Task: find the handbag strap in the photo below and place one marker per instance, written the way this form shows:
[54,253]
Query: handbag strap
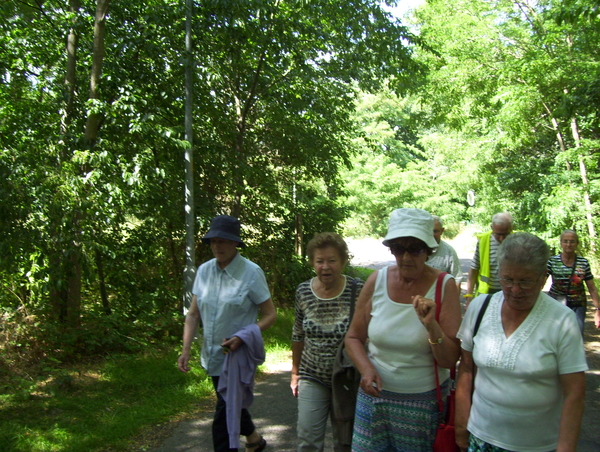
[480,315]
[438,309]
[570,279]
[475,329]
[352,298]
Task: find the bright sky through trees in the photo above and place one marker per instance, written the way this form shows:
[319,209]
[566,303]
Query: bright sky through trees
[403,7]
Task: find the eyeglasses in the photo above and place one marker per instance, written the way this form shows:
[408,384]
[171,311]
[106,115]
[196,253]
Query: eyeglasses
[523,284]
[399,250]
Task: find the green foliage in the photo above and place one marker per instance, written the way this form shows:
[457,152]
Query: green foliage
[520,80]
[432,173]
[33,343]
[508,109]
[93,241]
[279,336]
[359,272]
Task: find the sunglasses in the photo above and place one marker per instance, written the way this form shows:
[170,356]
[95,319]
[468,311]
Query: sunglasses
[399,250]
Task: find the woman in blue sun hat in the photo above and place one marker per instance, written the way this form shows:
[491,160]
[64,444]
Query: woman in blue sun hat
[229,294]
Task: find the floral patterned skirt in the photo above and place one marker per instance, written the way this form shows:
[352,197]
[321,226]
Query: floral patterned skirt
[396,422]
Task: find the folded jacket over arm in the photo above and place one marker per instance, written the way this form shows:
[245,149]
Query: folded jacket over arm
[236,383]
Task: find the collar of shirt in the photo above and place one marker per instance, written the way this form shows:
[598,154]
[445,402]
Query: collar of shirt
[235,269]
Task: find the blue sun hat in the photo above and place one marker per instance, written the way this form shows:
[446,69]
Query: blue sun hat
[224,227]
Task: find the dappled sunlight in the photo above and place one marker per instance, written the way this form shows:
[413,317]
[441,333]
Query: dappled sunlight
[278,360]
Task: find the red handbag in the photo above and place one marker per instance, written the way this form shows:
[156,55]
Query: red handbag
[445,440]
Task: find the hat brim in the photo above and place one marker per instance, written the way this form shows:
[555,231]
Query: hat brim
[416,233]
[222,235]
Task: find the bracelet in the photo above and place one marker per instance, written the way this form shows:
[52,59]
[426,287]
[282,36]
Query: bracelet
[468,295]
[437,341]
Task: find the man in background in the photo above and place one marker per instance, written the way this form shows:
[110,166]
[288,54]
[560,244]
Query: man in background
[444,257]
[483,274]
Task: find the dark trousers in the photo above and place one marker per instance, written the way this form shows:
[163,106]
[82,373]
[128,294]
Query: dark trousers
[219,427]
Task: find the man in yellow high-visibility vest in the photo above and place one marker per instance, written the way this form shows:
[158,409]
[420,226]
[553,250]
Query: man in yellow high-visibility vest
[483,274]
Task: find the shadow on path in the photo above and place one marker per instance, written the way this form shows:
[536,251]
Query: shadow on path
[274,412]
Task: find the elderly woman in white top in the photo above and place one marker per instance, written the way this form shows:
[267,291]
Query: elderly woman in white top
[529,360]
[397,405]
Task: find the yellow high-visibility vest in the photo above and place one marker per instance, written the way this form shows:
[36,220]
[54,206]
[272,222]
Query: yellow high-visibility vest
[483,280]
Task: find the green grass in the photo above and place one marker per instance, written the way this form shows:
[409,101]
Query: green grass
[100,408]
[278,339]
[103,407]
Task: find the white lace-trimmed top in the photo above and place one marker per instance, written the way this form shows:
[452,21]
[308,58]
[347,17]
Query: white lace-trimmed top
[503,351]
[518,398]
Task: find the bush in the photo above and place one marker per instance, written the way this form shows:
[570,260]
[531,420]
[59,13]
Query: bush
[31,344]
[359,272]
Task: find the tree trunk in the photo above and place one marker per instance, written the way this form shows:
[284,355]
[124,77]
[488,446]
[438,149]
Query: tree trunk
[299,235]
[586,187]
[65,292]
[243,110]
[102,283]
[94,119]
[70,77]
[236,208]
[64,251]
[189,272]
[559,135]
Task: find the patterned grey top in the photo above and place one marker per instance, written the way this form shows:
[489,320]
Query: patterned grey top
[321,324]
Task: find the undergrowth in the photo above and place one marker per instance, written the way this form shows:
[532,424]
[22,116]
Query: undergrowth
[109,403]
[107,385]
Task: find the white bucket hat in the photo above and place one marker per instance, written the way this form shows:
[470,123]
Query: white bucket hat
[415,223]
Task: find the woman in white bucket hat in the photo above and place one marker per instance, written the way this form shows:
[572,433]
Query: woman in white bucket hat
[394,339]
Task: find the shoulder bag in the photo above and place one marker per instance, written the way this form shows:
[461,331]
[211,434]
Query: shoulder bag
[345,381]
[445,440]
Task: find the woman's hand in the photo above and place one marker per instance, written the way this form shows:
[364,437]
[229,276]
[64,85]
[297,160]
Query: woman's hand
[425,309]
[597,318]
[371,383]
[231,344]
[183,362]
[294,384]
[462,438]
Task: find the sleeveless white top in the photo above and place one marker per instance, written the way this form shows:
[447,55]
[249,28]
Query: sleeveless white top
[398,342]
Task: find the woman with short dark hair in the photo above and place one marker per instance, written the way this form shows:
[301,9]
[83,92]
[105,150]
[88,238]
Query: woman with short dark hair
[323,306]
